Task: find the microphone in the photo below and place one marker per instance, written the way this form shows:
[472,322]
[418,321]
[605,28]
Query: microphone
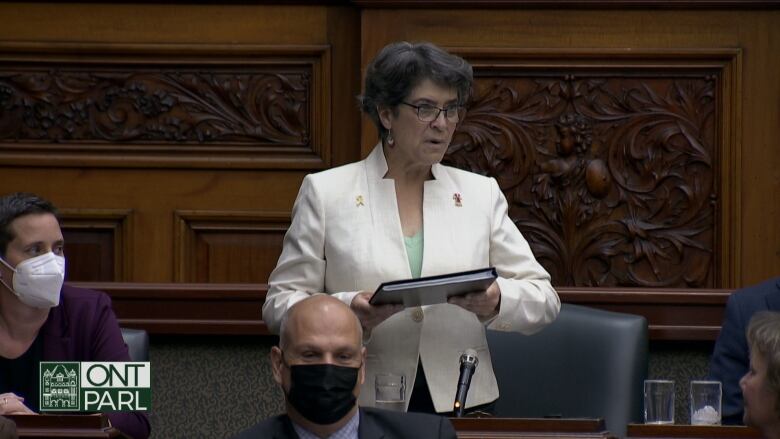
[468,364]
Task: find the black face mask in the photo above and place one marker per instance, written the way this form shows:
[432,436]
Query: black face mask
[322,393]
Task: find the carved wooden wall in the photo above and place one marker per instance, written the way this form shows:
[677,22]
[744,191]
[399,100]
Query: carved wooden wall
[610,168]
[174,137]
[636,147]
[165,106]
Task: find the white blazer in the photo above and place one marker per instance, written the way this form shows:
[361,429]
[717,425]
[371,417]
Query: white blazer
[346,237]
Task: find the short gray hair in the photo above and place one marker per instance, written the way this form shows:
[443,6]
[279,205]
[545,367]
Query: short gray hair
[401,66]
[763,335]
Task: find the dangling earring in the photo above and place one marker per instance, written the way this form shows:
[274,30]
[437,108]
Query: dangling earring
[389,139]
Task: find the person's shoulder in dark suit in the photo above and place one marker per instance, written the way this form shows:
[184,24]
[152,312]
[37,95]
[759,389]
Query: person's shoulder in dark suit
[762,296]
[730,357]
[374,423]
[276,427]
[388,424]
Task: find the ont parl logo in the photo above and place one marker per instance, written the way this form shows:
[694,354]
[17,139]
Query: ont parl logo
[95,386]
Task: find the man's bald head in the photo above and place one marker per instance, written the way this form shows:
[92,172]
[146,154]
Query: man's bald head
[312,313]
[320,352]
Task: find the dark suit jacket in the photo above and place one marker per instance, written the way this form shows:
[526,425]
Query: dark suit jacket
[374,424]
[83,327]
[731,359]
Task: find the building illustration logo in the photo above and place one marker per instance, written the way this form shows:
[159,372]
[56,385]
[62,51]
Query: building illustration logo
[60,386]
[95,386]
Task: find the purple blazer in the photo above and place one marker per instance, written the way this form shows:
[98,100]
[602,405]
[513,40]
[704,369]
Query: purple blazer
[83,327]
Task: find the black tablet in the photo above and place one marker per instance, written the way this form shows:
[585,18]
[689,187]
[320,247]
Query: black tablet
[433,289]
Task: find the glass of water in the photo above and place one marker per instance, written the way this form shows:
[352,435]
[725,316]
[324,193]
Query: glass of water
[390,391]
[705,402]
[659,402]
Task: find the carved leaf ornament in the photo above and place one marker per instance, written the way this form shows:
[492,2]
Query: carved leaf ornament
[155,107]
[610,179]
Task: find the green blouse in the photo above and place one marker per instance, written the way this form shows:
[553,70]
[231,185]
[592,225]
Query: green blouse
[414,251]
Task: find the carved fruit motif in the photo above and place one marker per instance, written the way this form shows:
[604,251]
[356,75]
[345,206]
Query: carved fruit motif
[597,178]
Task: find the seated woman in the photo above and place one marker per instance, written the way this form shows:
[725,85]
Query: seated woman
[43,320]
[730,357]
[761,385]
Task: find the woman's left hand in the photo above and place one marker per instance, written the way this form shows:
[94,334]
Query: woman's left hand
[11,404]
[484,304]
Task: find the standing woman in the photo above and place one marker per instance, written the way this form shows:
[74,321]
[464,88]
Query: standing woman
[400,214]
[761,384]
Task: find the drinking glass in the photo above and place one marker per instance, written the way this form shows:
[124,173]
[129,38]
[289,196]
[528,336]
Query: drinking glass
[705,402]
[659,402]
[390,391]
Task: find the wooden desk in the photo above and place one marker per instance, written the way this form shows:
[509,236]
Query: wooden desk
[505,428]
[70,426]
[691,431]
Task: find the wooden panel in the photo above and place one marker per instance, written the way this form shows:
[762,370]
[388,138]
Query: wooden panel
[745,234]
[52,426]
[90,255]
[672,314]
[164,106]
[154,195]
[188,308]
[610,160]
[228,246]
[747,240]
[556,4]
[97,243]
[692,431]
[505,428]
[221,155]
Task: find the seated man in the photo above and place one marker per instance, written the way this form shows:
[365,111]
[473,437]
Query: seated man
[43,320]
[320,365]
[730,357]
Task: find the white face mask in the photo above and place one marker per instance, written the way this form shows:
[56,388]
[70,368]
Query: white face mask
[37,281]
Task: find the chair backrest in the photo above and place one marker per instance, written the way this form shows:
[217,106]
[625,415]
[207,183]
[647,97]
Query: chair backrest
[137,341]
[589,363]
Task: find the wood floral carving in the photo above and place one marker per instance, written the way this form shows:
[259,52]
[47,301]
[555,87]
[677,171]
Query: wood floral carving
[141,107]
[611,179]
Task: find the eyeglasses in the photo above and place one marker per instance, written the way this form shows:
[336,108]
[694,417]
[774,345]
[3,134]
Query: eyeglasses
[429,113]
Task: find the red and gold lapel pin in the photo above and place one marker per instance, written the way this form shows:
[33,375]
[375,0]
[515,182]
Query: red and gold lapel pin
[456,196]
